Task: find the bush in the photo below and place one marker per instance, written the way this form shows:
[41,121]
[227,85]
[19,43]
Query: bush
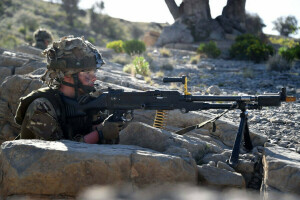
[259,52]
[117,46]
[287,53]
[165,52]
[141,66]
[210,49]
[9,42]
[278,63]
[250,47]
[134,47]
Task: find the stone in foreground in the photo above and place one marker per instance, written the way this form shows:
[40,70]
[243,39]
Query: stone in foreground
[36,167]
[281,170]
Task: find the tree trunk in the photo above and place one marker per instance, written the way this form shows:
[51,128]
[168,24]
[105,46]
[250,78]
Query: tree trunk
[235,10]
[174,9]
[197,8]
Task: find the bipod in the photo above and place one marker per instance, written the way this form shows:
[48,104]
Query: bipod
[243,130]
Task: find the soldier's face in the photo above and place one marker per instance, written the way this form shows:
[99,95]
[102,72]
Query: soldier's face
[87,77]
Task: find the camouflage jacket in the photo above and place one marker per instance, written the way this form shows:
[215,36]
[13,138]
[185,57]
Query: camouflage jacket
[41,121]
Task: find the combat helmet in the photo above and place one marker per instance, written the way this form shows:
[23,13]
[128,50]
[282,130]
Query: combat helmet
[69,56]
[42,38]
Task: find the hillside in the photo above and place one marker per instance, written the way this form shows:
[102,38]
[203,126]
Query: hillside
[20,18]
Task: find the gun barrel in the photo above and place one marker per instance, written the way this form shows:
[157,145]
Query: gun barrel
[221,98]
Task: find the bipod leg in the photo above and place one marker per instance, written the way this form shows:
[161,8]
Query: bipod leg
[247,139]
[234,158]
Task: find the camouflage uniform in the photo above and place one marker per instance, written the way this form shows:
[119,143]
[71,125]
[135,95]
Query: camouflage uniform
[41,121]
[42,38]
[42,116]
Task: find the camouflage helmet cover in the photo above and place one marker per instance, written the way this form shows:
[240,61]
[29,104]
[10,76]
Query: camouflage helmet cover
[70,55]
[42,35]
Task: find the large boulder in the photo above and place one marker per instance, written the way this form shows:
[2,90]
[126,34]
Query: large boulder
[36,167]
[281,170]
[176,33]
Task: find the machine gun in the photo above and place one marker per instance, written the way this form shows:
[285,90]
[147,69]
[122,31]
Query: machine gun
[121,104]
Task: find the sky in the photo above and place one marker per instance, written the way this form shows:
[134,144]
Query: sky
[157,10]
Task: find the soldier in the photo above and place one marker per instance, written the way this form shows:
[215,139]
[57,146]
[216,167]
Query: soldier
[45,113]
[42,38]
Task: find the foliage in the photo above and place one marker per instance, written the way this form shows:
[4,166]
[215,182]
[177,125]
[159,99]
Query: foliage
[278,63]
[22,30]
[141,66]
[3,5]
[91,40]
[134,47]
[259,52]
[287,42]
[138,66]
[107,26]
[165,52]
[129,68]
[210,49]
[250,47]
[117,46]
[286,25]
[9,42]
[290,53]
[71,9]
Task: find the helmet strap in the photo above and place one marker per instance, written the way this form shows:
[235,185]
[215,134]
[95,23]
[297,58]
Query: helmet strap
[77,84]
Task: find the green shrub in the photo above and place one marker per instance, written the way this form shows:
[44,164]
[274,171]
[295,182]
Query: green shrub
[141,66]
[22,30]
[117,46]
[134,47]
[297,51]
[287,53]
[210,49]
[250,47]
[91,40]
[278,63]
[259,52]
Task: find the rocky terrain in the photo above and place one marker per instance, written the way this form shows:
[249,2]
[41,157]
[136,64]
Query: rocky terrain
[272,166]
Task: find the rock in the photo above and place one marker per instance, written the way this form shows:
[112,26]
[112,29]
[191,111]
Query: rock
[225,130]
[214,157]
[4,72]
[176,33]
[223,165]
[143,135]
[215,90]
[220,177]
[150,38]
[29,50]
[12,60]
[245,166]
[66,167]
[281,170]
[30,67]
[16,86]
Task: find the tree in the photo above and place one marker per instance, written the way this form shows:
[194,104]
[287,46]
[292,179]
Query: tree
[286,25]
[195,14]
[71,9]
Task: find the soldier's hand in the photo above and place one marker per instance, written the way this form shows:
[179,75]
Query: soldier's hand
[110,130]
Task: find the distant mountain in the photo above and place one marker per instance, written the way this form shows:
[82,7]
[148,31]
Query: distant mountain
[20,18]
